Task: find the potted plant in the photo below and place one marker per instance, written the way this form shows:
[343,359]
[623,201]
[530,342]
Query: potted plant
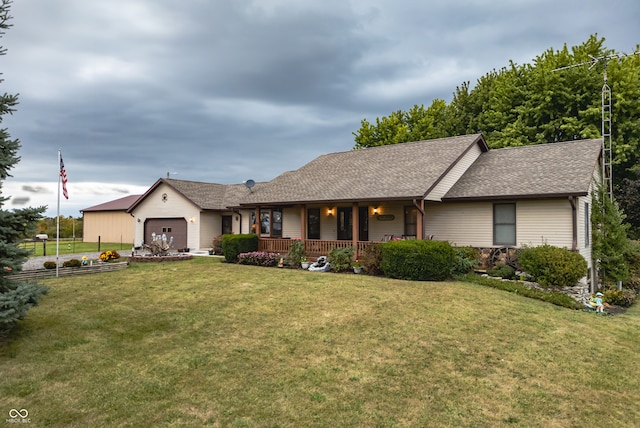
[357,266]
[304,262]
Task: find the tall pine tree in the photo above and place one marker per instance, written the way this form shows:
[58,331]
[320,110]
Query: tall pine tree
[16,297]
[609,235]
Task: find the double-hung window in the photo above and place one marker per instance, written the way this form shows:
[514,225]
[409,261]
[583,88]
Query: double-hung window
[504,224]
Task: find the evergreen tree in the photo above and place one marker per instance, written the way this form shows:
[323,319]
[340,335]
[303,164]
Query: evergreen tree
[609,236]
[16,297]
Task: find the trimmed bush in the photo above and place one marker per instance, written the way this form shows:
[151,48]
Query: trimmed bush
[502,271]
[466,260]
[216,245]
[619,297]
[371,259]
[552,266]
[234,245]
[340,259]
[72,263]
[259,258]
[49,265]
[417,260]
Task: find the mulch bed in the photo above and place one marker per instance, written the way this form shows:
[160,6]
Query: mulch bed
[158,259]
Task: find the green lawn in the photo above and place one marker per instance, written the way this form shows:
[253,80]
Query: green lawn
[201,342]
[67,246]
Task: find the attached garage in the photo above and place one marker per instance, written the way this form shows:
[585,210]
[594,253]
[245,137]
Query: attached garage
[170,227]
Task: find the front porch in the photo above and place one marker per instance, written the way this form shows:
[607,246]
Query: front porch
[312,247]
[488,256]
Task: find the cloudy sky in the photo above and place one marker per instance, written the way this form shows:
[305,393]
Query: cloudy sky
[228,90]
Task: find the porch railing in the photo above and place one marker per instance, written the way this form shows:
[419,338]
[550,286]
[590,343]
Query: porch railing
[312,247]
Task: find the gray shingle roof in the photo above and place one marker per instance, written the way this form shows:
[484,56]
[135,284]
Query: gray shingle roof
[210,196]
[398,171]
[206,196]
[554,169]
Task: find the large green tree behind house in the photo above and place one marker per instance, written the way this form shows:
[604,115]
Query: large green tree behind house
[16,297]
[533,104]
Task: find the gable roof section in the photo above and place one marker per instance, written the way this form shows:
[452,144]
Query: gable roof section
[206,196]
[543,170]
[121,204]
[398,171]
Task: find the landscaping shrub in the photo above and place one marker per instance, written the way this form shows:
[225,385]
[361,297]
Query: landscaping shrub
[295,254]
[554,297]
[107,256]
[259,258]
[49,265]
[233,245]
[71,263]
[633,260]
[417,260]
[466,260]
[502,271]
[552,266]
[340,259]
[371,259]
[216,245]
[619,297]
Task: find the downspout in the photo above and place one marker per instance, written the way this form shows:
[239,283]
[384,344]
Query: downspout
[574,221]
[420,207]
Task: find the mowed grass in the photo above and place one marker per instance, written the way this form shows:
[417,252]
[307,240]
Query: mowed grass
[203,343]
[37,248]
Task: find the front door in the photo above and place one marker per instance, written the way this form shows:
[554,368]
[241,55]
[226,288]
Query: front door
[345,223]
[363,224]
[227,224]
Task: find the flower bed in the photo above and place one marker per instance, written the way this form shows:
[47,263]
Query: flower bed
[159,259]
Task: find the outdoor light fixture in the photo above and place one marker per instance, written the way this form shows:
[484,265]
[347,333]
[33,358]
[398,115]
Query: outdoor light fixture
[192,219]
[330,211]
[375,211]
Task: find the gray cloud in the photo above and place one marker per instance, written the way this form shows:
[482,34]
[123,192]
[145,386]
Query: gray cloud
[234,89]
[35,189]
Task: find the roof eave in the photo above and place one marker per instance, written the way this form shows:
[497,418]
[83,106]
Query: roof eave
[513,197]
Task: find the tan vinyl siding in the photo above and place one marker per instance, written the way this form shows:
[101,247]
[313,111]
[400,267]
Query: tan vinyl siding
[108,226]
[461,224]
[246,222]
[454,175]
[544,222]
[328,224]
[583,218]
[378,229]
[471,223]
[291,226]
[176,206]
[210,227]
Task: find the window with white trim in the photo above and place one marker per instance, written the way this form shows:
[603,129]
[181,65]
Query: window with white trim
[504,224]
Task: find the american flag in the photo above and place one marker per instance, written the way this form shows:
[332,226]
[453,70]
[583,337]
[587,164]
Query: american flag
[63,174]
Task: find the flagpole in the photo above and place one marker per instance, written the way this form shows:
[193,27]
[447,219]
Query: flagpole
[58,215]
